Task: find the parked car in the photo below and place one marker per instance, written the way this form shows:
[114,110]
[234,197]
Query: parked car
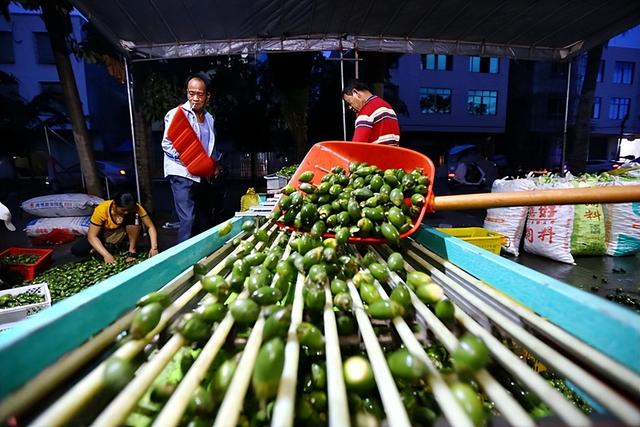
[115,175]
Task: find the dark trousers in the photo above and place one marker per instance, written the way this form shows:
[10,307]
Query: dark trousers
[194,204]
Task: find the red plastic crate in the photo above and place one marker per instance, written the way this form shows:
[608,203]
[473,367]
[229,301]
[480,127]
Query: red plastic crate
[28,271]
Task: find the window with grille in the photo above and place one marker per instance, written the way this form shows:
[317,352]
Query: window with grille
[432,61]
[623,72]
[595,110]
[479,64]
[435,100]
[482,102]
[619,108]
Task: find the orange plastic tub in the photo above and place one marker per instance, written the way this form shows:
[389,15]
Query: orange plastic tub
[325,155]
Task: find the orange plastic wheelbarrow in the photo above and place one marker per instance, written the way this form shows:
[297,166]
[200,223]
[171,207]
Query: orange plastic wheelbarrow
[325,155]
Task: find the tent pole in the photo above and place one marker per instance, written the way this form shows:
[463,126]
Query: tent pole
[46,137]
[566,120]
[355,51]
[133,132]
[344,120]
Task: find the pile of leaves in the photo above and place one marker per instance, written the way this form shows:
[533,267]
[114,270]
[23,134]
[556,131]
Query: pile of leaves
[69,279]
[288,171]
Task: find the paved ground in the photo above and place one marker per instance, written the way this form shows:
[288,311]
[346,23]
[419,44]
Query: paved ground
[163,213]
[607,276]
[615,278]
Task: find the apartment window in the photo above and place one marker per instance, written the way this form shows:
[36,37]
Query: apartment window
[44,52]
[432,61]
[556,106]
[479,64]
[600,77]
[595,110]
[623,72]
[619,108]
[6,48]
[435,100]
[482,102]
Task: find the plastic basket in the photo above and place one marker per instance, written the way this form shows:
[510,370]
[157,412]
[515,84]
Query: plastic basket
[27,271]
[11,315]
[325,155]
[478,236]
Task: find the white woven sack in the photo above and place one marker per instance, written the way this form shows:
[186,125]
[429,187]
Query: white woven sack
[622,225]
[60,205]
[549,228]
[78,225]
[509,221]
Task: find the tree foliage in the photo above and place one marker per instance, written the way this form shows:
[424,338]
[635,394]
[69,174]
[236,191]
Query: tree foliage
[21,119]
[291,74]
[435,103]
[243,102]
[578,147]
[55,14]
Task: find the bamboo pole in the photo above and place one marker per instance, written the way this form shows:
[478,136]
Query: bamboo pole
[564,196]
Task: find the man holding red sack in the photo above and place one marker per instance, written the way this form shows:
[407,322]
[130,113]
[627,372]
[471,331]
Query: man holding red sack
[190,159]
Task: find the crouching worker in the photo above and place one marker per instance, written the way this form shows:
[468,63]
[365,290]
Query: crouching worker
[111,221]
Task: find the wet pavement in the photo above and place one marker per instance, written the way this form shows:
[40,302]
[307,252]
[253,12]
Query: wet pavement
[614,278]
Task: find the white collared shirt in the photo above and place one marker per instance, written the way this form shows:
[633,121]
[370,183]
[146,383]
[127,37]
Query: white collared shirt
[172,163]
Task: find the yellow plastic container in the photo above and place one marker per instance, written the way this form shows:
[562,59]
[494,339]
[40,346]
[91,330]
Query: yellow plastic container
[249,199]
[478,236]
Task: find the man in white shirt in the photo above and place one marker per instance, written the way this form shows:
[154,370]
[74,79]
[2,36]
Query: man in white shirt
[190,159]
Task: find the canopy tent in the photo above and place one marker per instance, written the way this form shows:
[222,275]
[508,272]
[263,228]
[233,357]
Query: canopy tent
[518,29]
[523,29]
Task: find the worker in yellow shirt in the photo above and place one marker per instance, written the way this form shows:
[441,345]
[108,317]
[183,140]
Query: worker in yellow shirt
[110,222]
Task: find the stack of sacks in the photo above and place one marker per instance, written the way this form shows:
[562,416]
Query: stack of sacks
[588,236]
[509,221]
[562,232]
[69,213]
[549,228]
[622,222]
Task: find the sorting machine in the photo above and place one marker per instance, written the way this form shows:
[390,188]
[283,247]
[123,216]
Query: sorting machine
[51,366]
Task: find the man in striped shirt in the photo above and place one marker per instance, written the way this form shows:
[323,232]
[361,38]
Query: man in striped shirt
[376,121]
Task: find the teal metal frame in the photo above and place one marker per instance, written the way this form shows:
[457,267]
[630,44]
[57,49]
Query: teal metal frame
[602,324]
[43,338]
